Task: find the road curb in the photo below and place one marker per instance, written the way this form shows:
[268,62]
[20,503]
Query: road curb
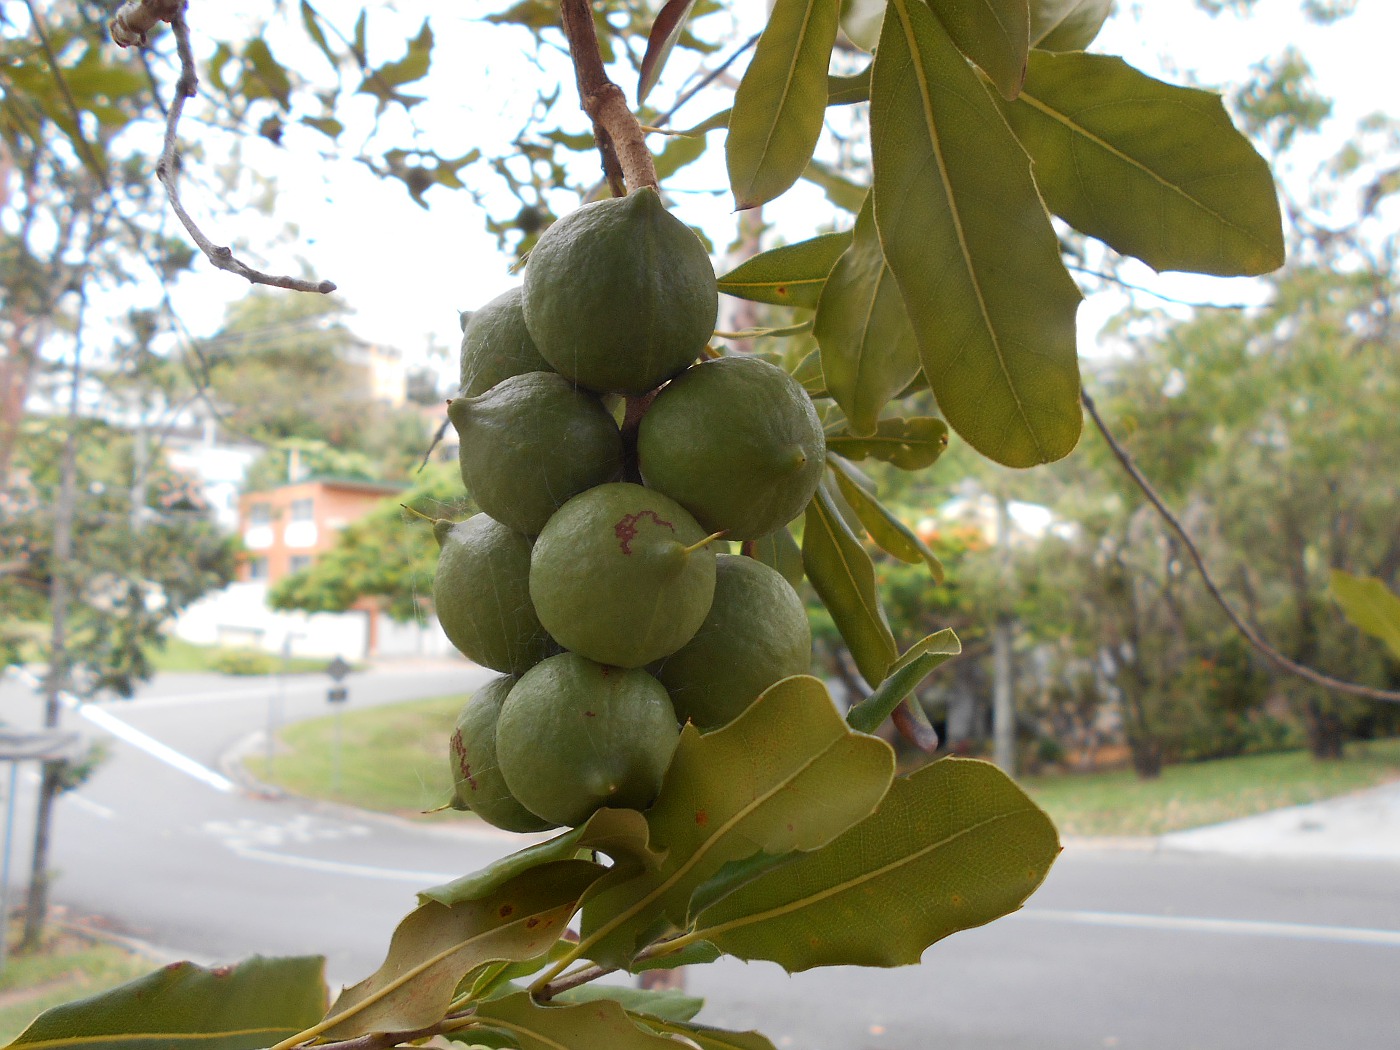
[231,765]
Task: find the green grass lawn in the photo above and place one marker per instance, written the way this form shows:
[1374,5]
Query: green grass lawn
[180,655]
[69,967]
[394,760]
[1188,796]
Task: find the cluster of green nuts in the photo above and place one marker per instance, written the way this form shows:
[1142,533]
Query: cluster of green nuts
[613,460]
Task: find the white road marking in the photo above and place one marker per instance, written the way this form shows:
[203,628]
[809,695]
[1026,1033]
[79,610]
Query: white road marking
[133,736]
[153,747]
[338,867]
[1248,927]
[302,829]
[97,809]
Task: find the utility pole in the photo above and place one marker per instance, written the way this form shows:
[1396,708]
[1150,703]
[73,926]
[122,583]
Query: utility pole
[51,775]
[1003,692]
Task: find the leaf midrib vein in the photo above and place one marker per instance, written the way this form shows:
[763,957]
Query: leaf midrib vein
[955,215]
[1075,127]
[786,93]
[699,854]
[850,884]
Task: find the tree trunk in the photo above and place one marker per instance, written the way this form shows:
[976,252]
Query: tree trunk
[1326,731]
[1147,755]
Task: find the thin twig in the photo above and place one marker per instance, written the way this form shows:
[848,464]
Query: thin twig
[129,19]
[1249,632]
[1112,279]
[705,81]
[41,30]
[621,141]
[572,980]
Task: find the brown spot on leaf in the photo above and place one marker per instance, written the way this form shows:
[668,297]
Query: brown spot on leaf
[531,923]
[505,910]
[701,817]
[589,714]
[626,528]
[781,290]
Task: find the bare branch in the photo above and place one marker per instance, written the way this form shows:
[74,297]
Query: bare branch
[621,141]
[135,18]
[706,80]
[168,171]
[88,157]
[1249,632]
[572,980]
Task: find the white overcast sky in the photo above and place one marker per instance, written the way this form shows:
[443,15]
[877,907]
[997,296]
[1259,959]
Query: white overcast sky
[406,272]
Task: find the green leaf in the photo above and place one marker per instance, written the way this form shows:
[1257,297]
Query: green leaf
[598,1025]
[1067,25]
[889,533]
[904,677]
[436,946]
[265,76]
[93,78]
[256,1003]
[780,104]
[784,332]
[328,126]
[844,578]
[779,551]
[841,191]
[909,444]
[788,774]
[620,833]
[1156,171]
[697,954]
[670,1004]
[665,31]
[847,91]
[707,1038]
[995,34]
[809,373]
[860,21]
[869,351]
[1370,606]
[383,83]
[311,21]
[973,250]
[953,846]
[792,275]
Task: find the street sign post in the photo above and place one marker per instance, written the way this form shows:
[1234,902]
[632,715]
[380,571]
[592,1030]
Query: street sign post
[337,695]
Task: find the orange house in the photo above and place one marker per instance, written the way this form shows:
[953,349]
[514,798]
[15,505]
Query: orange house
[284,530]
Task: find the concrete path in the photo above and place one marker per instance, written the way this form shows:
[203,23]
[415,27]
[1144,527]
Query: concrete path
[1361,826]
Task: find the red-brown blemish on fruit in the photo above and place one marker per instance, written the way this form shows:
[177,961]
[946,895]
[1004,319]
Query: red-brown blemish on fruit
[701,817]
[626,528]
[459,752]
[505,910]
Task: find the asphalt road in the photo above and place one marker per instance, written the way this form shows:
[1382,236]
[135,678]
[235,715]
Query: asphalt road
[1134,949]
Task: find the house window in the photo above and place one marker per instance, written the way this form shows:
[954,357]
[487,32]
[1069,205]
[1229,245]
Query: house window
[299,562]
[303,509]
[260,514]
[257,568]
